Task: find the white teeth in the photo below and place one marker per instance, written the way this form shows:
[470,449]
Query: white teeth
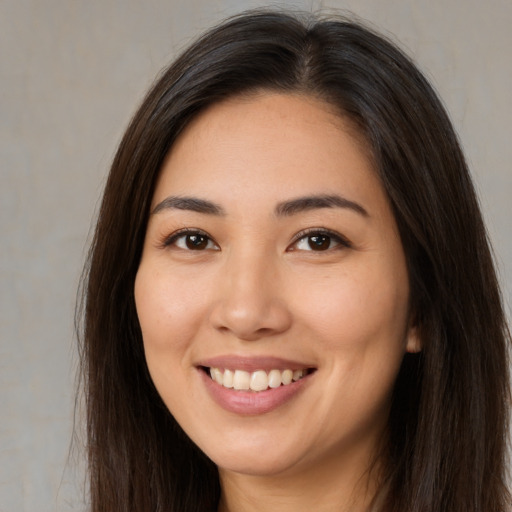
[241,380]
[274,378]
[259,381]
[217,375]
[286,377]
[228,379]
[255,381]
[298,374]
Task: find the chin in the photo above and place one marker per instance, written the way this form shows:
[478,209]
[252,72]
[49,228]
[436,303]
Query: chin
[256,458]
[259,466]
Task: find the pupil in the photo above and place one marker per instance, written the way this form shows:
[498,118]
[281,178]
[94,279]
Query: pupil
[319,242]
[196,241]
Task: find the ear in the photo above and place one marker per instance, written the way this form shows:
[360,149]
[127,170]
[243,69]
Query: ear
[413,341]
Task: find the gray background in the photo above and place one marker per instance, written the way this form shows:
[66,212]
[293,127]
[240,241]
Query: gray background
[71,75]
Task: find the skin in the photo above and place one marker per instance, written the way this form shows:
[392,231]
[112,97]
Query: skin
[260,287]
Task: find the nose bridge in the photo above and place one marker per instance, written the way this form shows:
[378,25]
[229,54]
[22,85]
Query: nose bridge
[250,304]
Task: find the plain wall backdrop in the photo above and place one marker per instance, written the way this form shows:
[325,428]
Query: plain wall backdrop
[71,75]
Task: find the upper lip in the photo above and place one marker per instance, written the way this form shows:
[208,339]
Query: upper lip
[251,364]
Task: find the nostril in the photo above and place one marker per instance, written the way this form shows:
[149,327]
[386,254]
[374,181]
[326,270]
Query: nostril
[254,314]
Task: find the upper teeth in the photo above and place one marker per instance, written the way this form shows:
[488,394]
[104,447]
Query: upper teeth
[255,381]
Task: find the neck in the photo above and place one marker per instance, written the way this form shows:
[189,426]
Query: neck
[330,488]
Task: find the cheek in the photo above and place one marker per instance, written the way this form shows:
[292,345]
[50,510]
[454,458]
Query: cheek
[361,309]
[169,310]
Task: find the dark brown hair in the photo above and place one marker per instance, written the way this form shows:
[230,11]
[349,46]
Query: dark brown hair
[448,424]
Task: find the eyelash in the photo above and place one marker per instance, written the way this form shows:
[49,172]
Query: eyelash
[340,241]
[182,233]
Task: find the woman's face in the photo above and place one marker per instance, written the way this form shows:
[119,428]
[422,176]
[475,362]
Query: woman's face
[272,261]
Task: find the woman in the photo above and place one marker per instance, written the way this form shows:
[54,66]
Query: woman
[290,301]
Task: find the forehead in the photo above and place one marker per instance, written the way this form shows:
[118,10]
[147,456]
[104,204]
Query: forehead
[268,143]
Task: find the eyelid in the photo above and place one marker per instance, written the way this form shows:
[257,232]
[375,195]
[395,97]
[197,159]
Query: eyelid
[342,241]
[169,240]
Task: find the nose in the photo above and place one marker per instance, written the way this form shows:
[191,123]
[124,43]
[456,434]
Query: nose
[250,302]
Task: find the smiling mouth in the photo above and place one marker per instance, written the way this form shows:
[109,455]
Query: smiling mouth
[259,380]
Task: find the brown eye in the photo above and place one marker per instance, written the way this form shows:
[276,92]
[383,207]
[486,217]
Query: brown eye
[191,241]
[196,242]
[319,242]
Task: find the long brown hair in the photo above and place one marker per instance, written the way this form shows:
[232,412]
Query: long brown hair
[448,424]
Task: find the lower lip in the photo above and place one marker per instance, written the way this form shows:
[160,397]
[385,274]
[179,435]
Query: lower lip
[250,403]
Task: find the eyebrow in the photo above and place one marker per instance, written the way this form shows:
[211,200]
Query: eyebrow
[302,204]
[283,209]
[193,204]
